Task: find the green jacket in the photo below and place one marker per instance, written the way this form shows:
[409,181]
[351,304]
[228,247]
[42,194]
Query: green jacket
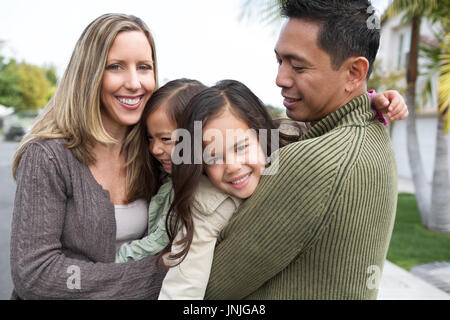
[156,239]
[320,226]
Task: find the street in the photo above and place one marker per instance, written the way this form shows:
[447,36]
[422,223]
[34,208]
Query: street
[8,188]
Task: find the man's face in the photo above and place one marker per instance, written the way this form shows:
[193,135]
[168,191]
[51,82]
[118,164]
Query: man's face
[311,88]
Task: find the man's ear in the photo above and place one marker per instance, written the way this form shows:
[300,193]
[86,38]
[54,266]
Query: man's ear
[357,68]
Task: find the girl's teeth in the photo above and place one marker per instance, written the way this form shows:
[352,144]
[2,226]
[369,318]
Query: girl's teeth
[240,180]
[130,102]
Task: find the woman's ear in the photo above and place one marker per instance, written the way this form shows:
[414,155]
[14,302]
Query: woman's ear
[357,68]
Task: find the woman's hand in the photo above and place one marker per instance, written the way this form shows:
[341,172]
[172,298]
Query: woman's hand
[391,104]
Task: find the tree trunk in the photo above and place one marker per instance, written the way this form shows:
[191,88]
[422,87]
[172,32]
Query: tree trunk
[423,190]
[440,204]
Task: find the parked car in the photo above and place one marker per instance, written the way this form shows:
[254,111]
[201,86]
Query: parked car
[17,124]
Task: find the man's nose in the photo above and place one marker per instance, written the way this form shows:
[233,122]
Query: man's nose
[284,79]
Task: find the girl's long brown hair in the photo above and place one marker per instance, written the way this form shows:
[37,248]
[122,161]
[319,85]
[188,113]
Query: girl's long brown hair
[186,176]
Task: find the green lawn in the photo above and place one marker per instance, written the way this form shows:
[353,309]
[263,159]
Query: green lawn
[412,244]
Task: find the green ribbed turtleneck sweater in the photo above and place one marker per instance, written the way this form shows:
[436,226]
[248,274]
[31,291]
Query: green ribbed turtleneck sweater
[319,227]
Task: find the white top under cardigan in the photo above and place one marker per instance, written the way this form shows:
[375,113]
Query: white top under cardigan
[212,209]
[131,221]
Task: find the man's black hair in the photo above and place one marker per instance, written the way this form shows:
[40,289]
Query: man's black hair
[344,28]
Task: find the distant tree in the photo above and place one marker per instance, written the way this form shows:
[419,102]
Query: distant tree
[24,86]
[276,113]
[50,74]
[10,91]
[34,85]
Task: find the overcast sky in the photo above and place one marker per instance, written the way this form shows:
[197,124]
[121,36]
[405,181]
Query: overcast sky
[198,39]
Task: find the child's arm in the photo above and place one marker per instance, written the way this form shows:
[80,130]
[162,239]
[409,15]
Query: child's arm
[149,245]
[188,280]
[157,238]
[390,103]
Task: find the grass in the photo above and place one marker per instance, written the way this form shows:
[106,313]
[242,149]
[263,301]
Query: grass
[412,244]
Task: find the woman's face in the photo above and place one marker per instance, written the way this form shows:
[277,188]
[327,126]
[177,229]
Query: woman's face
[233,156]
[128,80]
[159,132]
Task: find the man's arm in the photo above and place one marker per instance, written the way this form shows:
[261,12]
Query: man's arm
[284,216]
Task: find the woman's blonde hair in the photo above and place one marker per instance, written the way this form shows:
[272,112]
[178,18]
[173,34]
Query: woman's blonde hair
[74,112]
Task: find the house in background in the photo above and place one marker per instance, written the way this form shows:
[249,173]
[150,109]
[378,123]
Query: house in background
[394,53]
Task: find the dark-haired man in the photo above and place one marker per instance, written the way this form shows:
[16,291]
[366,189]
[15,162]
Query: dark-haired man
[320,227]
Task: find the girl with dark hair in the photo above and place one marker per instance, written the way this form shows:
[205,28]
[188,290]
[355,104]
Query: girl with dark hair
[208,193]
[163,114]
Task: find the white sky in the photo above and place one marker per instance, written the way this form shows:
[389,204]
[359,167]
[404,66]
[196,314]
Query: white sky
[198,39]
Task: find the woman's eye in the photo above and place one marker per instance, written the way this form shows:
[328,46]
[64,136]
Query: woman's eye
[145,67]
[113,67]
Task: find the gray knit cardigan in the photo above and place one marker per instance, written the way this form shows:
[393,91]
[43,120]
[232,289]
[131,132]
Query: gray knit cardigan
[64,232]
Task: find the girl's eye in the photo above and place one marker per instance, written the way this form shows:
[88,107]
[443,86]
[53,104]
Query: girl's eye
[166,139]
[149,138]
[212,160]
[241,147]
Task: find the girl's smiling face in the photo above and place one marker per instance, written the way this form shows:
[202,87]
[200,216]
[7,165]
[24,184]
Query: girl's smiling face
[159,132]
[234,159]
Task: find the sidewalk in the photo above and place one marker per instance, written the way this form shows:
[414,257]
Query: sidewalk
[399,284]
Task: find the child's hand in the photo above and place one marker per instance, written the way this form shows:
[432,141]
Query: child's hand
[392,104]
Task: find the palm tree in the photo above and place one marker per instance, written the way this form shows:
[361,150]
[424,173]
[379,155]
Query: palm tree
[432,201]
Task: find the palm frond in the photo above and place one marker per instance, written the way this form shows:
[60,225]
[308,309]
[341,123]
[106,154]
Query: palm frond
[267,11]
[411,7]
[444,87]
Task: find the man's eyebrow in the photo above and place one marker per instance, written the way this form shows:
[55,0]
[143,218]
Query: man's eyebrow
[294,57]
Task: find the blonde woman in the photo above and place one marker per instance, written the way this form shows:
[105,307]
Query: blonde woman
[80,179]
